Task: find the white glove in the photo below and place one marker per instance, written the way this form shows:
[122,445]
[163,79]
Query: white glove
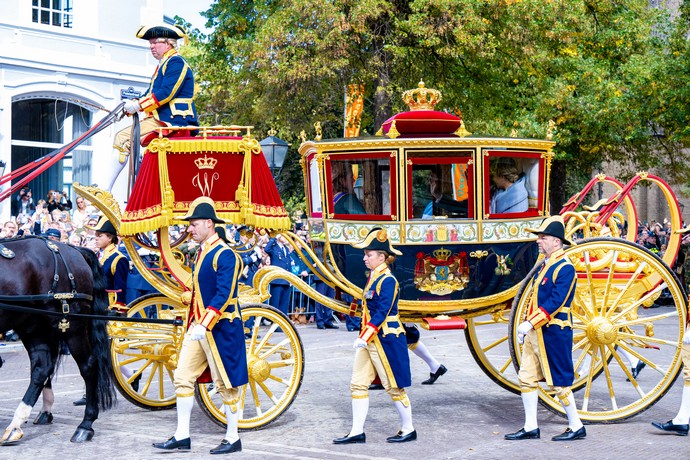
[522,331]
[198,332]
[686,337]
[359,343]
[132,106]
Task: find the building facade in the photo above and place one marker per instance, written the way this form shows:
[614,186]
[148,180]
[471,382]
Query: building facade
[63,64]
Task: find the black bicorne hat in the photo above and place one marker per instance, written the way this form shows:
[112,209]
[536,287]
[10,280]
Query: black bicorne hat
[103,226]
[203,208]
[161,31]
[377,240]
[552,226]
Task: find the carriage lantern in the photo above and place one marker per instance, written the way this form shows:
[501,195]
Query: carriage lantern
[2,168]
[275,150]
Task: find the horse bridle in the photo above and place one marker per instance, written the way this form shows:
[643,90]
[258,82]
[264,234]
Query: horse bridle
[63,297]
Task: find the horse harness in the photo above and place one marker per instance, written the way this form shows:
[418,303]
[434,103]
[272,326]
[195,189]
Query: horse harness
[62,297]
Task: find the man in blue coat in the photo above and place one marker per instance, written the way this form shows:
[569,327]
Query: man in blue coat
[216,333]
[169,100]
[547,334]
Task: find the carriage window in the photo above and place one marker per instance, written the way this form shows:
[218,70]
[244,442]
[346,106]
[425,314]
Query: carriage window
[314,187]
[513,184]
[439,189]
[362,187]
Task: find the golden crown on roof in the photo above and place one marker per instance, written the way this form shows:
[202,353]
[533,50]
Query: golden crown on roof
[421,98]
[205,162]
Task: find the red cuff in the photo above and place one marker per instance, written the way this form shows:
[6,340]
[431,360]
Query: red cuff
[539,317]
[368,332]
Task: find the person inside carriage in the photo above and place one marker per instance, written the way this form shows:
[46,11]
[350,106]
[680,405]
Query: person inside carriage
[169,100]
[438,202]
[510,193]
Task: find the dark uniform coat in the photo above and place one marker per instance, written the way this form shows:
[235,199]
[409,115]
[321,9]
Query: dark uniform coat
[381,324]
[116,269]
[215,275]
[553,289]
[170,97]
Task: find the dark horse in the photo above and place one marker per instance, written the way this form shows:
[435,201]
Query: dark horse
[39,277]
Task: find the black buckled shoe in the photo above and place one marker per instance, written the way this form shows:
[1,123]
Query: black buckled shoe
[331,326]
[80,402]
[670,427]
[356,439]
[226,447]
[522,434]
[376,387]
[433,376]
[399,437]
[43,418]
[570,435]
[635,371]
[174,444]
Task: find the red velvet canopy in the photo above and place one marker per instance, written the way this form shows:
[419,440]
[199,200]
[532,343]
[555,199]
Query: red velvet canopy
[232,171]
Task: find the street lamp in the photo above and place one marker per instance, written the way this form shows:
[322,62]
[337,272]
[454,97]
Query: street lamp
[275,151]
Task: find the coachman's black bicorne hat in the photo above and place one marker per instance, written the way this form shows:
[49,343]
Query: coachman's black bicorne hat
[103,226]
[161,31]
[377,240]
[203,208]
[552,226]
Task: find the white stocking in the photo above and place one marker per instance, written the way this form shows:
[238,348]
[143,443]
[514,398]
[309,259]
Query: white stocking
[571,411]
[530,400]
[423,352]
[233,419]
[405,413]
[184,415]
[360,407]
[684,411]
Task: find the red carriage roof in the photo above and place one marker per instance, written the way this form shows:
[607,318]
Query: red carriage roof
[230,170]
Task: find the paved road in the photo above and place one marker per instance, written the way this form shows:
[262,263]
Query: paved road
[464,415]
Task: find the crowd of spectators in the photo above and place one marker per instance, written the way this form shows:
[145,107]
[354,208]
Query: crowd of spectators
[55,214]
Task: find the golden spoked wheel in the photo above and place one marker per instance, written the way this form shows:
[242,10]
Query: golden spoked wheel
[487,339]
[615,320]
[148,351]
[275,358]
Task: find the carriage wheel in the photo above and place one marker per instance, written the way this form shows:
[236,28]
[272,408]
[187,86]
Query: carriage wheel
[487,339]
[614,315]
[275,358]
[150,351]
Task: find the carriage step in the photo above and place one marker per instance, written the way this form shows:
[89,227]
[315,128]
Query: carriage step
[443,322]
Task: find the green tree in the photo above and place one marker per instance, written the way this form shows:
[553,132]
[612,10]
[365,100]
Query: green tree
[596,68]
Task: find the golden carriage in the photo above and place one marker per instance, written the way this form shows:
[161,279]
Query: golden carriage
[428,182]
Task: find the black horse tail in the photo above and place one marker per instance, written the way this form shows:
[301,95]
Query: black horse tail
[100,342]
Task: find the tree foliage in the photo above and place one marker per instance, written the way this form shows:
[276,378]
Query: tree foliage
[599,69]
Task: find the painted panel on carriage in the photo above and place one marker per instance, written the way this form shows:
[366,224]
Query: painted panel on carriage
[448,272]
[495,231]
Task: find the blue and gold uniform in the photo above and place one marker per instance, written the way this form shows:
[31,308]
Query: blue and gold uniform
[553,288]
[170,97]
[383,331]
[116,269]
[381,347]
[215,306]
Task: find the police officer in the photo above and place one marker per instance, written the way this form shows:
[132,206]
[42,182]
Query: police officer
[549,324]
[216,335]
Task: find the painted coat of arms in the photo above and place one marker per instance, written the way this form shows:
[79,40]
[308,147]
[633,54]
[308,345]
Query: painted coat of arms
[442,272]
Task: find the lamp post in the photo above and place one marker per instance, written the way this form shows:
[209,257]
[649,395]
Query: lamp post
[275,151]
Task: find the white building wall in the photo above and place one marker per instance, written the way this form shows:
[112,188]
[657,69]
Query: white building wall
[88,64]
